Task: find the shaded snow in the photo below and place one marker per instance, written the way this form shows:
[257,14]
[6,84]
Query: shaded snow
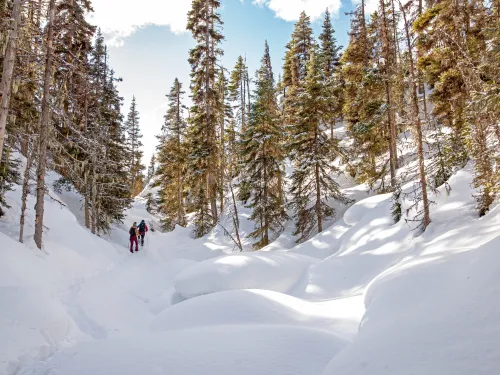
[366,296]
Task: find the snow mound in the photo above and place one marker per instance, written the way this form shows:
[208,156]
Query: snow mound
[434,314]
[357,211]
[251,350]
[28,315]
[277,272]
[244,307]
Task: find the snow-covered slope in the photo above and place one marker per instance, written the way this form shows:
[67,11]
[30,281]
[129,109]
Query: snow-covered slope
[364,297]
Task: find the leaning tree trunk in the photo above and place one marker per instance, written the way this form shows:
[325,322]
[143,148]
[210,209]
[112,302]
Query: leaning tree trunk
[8,70]
[44,128]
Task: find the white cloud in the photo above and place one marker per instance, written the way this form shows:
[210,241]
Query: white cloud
[370,5]
[290,10]
[120,19]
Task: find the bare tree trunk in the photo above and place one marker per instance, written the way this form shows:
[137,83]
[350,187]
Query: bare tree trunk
[93,201]
[44,128]
[390,111]
[418,124]
[266,194]
[318,200]
[236,219]
[25,191]
[86,210]
[8,70]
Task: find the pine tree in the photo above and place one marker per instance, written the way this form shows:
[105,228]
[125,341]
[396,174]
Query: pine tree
[313,187]
[365,103]
[239,94]
[44,126]
[329,60]
[264,157]
[134,145]
[172,161]
[295,67]
[151,168]
[8,68]
[204,22]
[454,66]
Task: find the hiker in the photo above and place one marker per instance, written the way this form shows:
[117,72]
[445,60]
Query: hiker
[134,233]
[143,228]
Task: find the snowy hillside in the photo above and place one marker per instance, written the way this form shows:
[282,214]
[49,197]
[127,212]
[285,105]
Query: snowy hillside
[363,297]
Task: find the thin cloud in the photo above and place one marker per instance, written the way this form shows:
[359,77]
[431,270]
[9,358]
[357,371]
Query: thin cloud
[120,19]
[289,10]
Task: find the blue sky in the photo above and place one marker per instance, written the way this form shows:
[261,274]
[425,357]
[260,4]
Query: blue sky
[149,50]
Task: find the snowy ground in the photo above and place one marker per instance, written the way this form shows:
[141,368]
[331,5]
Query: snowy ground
[364,297]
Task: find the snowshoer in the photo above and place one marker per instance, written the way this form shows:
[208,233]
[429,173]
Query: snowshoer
[134,234]
[143,228]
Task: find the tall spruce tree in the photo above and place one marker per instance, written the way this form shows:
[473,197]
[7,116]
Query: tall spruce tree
[329,60]
[204,22]
[134,143]
[172,160]
[313,187]
[264,157]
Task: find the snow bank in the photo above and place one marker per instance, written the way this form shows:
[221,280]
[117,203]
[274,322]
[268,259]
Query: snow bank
[229,350]
[278,272]
[33,325]
[245,307]
[357,211]
[434,314]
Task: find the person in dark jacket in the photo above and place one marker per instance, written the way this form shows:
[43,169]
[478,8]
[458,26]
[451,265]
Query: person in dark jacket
[134,233]
[143,229]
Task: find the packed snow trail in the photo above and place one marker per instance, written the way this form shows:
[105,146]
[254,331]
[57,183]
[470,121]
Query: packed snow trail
[364,296]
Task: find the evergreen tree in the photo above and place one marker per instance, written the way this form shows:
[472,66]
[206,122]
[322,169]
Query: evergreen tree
[151,168]
[364,107]
[264,157]
[329,60]
[313,187]
[239,94]
[204,22]
[134,146]
[172,161]
[295,67]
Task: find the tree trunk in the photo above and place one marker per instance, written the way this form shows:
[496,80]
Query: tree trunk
[318,199]
[266,204]
[25,191]
[418,124]
[44,128]
[236,219]
[86,210]
[390,112]
[8,70]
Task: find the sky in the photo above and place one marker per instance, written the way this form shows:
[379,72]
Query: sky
[149,46]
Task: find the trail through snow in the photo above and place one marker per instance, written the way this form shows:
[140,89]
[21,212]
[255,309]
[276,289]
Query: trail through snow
[363,297]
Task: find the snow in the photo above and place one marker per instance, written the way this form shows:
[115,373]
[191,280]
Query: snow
[366,296]
[209,350]
[250,307]
[271,271]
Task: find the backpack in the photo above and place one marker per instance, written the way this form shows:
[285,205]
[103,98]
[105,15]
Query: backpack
[142,227]
[132,231]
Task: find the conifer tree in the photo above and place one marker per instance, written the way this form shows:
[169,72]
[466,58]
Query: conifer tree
[44,125]
[135,148]
[151,168]
[329,60]
[264,157]
[204,22]
[364,105]
[238,92]
[172,155]
[295,67]
[313,187]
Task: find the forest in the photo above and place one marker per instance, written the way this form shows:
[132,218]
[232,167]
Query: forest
[428,71]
